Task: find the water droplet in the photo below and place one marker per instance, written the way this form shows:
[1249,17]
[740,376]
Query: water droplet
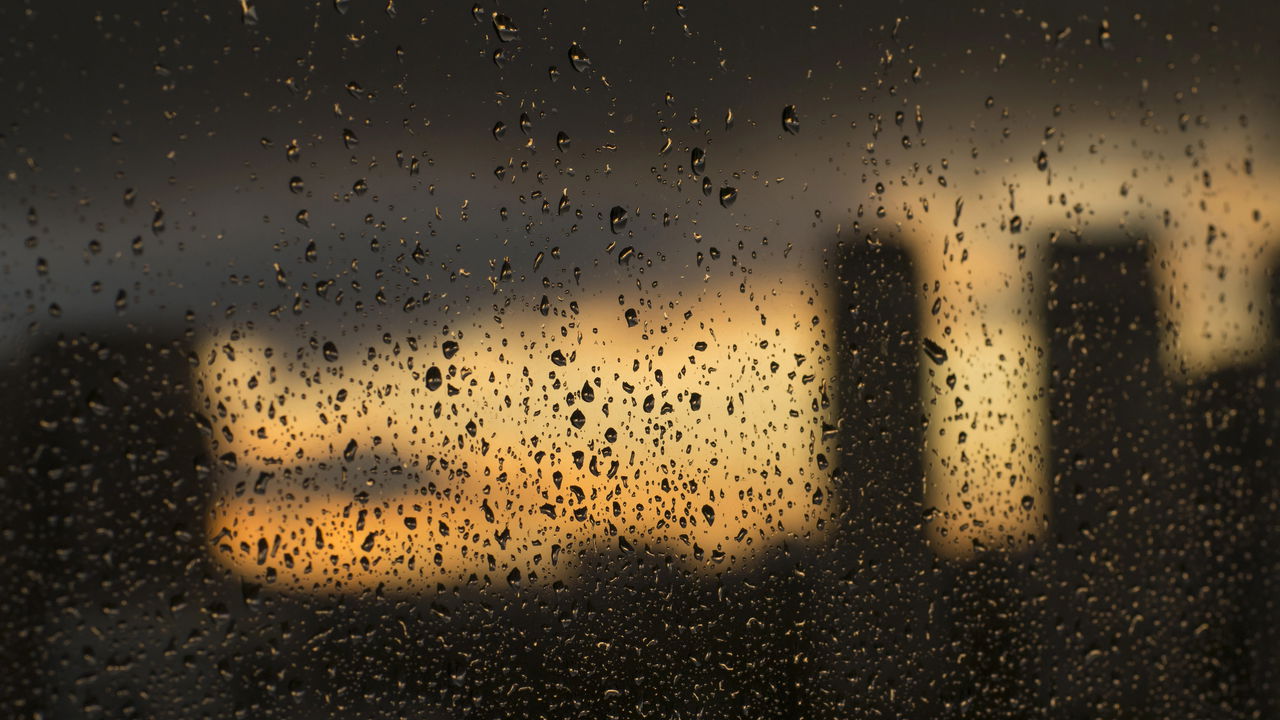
[562,141]
[709,513]
[934,351]
[1042,161]
[790,120]
[248,13]
[330,351]
[728,195]
[578,419]
[449,348]
[578,59]
[507,30]
[433,378]
[617,219]
[698,161]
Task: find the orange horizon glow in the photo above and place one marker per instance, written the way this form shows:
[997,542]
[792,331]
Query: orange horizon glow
[480,477]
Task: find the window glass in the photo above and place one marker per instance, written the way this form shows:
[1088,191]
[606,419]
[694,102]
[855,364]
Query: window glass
[639,359]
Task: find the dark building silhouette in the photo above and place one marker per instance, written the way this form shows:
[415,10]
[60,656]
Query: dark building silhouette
[1156,490]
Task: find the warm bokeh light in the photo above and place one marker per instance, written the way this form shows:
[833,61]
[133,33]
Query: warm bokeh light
[981,256]
[526,449]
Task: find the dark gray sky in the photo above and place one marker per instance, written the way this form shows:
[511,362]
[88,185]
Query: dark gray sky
[172,102]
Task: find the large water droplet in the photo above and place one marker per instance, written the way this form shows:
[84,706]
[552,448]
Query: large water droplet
[507,30]
[617,219]
[790,119]
[934,351]
[728,195]
[433,378]
[698,161]
[578,59]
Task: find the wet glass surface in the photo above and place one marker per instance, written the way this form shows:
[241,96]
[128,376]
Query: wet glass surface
[377,359]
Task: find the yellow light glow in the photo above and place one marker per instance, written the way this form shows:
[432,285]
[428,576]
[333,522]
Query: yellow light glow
[479,476]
